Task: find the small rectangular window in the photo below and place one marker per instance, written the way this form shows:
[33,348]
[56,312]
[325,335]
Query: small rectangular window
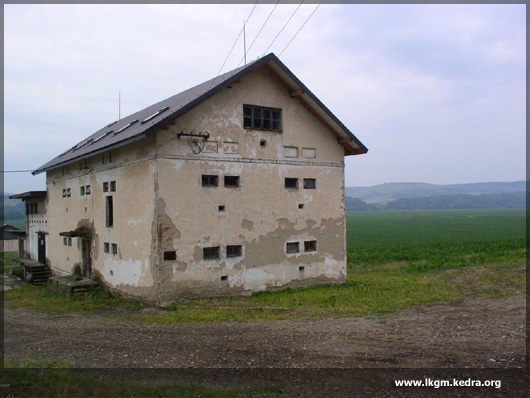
[69,241]
[224,277]
[170,255]
[310,183]
[291,183]
[310,246]
[68,192]
[210,180]
[113,186]
[210,253]
[232,181]
[82,191]
[221,208]
[105,187]
[106,247]
[309,153]
[233,250]
[114,247]
[65,241]
[64,193]
[109,212]
[292,247]
[87,190]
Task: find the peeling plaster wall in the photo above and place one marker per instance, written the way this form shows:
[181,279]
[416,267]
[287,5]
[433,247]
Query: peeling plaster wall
[130,271]
[261,215]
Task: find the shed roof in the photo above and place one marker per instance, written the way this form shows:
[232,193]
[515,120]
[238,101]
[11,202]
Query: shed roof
[138,125]
[29,195]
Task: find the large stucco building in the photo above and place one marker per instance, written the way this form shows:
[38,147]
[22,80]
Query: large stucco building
[233,186]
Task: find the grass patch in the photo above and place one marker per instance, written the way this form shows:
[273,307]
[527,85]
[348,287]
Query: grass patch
[7,262]
[30,382]
[42,298]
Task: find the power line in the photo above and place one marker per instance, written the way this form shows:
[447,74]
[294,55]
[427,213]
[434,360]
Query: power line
[281,30]
[259,32]
[235,42]
[298,31]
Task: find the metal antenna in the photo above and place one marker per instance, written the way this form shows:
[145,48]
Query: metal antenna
[119,104]
[244,43]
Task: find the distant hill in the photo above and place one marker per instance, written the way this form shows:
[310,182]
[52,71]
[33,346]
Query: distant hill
[13,209]
[384,193]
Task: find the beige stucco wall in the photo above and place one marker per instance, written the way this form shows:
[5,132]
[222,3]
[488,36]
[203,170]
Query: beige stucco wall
[132,167]
[262,215]
[160,204]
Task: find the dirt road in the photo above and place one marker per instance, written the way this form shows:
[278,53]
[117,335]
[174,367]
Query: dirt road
[479,334]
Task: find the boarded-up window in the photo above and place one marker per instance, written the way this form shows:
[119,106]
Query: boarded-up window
[309,153]
[292,247]
[109,212]
[233,250]
[290,151]
[210,147]
[230,148]
[210,253]
[291,183]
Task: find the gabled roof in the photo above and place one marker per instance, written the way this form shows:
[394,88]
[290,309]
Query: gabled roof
[138,125]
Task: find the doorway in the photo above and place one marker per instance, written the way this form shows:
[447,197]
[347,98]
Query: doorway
[41,247]
[87,260]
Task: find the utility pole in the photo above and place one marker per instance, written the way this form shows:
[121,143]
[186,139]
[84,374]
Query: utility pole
[244,43]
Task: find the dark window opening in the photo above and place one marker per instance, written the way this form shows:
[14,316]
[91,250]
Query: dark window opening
[233,250]
[232,181]
[263,142]
[210,253]
[82,191]
[310,183]
[105,187]
[210,180]
[291,183]
[65,241]
[292,247]
[69,241]
[301,269]
[224,277]
[262,118]
[87,190]
[106,247]
[310,246]
[64,193]
[68,192]
[221,208]
[110,211]
[113,186]
[170,255]
[301,206]
[114,248]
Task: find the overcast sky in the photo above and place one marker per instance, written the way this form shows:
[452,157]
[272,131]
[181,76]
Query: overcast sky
[436,92]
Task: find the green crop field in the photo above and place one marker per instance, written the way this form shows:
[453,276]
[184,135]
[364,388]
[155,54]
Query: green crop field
[436,239]
[395,260]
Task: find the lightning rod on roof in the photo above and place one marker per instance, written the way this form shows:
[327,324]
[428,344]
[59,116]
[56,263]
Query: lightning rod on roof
[244,44]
